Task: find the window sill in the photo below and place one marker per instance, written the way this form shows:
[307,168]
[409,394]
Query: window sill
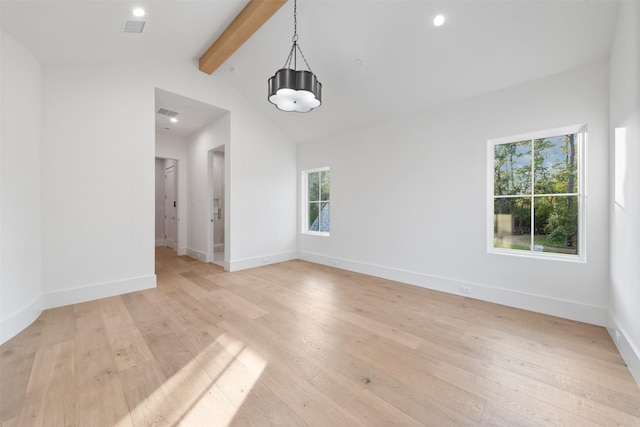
[316,233]
[537,255]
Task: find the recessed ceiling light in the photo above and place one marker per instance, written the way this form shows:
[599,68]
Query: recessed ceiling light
[438,20]
[139,12]
[173,120]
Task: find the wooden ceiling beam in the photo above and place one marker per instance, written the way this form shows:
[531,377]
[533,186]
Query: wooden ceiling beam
[254,14]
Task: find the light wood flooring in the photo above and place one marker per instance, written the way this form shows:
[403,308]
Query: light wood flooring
[296,344]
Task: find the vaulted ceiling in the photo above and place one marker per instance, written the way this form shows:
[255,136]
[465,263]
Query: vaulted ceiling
[377,59]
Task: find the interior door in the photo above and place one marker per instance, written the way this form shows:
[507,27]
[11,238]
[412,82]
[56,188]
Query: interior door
[171,208]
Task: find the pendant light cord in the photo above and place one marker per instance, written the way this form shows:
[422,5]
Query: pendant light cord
[295,48]
[295,21]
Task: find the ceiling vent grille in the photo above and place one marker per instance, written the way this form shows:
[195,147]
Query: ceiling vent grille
[133,27]
[166,112]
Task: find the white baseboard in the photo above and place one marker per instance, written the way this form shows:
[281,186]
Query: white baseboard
[93,292]
[630,354]
[171,244]
[243,264]
[181,251]
[20,319]
[555,307]
[160,242]
[200,256]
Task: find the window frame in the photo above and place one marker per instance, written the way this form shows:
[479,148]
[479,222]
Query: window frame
[581,131]
[305,201]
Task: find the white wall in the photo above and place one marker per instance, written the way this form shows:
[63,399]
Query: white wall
[98,183]
[408,198]
[98,234]
[174,147]
[624,293]
[261,206]
[215,134]
[20,188]
[160,193]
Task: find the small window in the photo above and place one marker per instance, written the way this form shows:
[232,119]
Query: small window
[316,203]
[536,194]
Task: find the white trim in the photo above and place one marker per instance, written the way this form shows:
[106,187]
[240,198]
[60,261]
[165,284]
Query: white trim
[161,242]
[200,256]
[581,131]
[171,244]
[97,291]
[325,168]
[210,198]
[20,319]
[304,205]
[565,130]
[176,184]
[211,246]
[629,352]
[572,310]
[243,264]
[537,255]
[318,233]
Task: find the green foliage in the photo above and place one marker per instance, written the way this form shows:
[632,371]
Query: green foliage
[512,172]
[314,186]
[555,176]
[324,193]
[562,224]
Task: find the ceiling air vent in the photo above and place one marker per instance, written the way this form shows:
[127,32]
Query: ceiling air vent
[133,27]
[166,112]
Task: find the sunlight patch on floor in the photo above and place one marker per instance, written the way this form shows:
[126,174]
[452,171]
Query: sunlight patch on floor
[209,390]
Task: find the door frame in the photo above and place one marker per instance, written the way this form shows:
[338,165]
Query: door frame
[210,190]
[174,178]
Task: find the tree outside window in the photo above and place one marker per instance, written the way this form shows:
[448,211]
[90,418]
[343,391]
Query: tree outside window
[536,194]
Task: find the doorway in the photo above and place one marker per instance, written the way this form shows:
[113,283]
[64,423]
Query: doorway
[166,203]
[216,238]
[195,130]
[171,208]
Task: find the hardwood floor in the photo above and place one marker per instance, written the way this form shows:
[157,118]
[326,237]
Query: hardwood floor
[297,344]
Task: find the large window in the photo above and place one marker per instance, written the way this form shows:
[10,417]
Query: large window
[536,189]
[316,204]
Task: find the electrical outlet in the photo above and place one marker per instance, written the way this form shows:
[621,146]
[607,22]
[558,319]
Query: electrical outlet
[465,290]
[616,336]
[265,260]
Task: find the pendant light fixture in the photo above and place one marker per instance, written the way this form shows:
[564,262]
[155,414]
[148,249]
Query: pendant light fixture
[291,89]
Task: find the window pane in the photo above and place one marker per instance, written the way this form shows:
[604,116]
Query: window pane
[324,217]
[556,222]
[314,220]
[324,195]
[556,164]
[512,223]
[314,186]
[512,173]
